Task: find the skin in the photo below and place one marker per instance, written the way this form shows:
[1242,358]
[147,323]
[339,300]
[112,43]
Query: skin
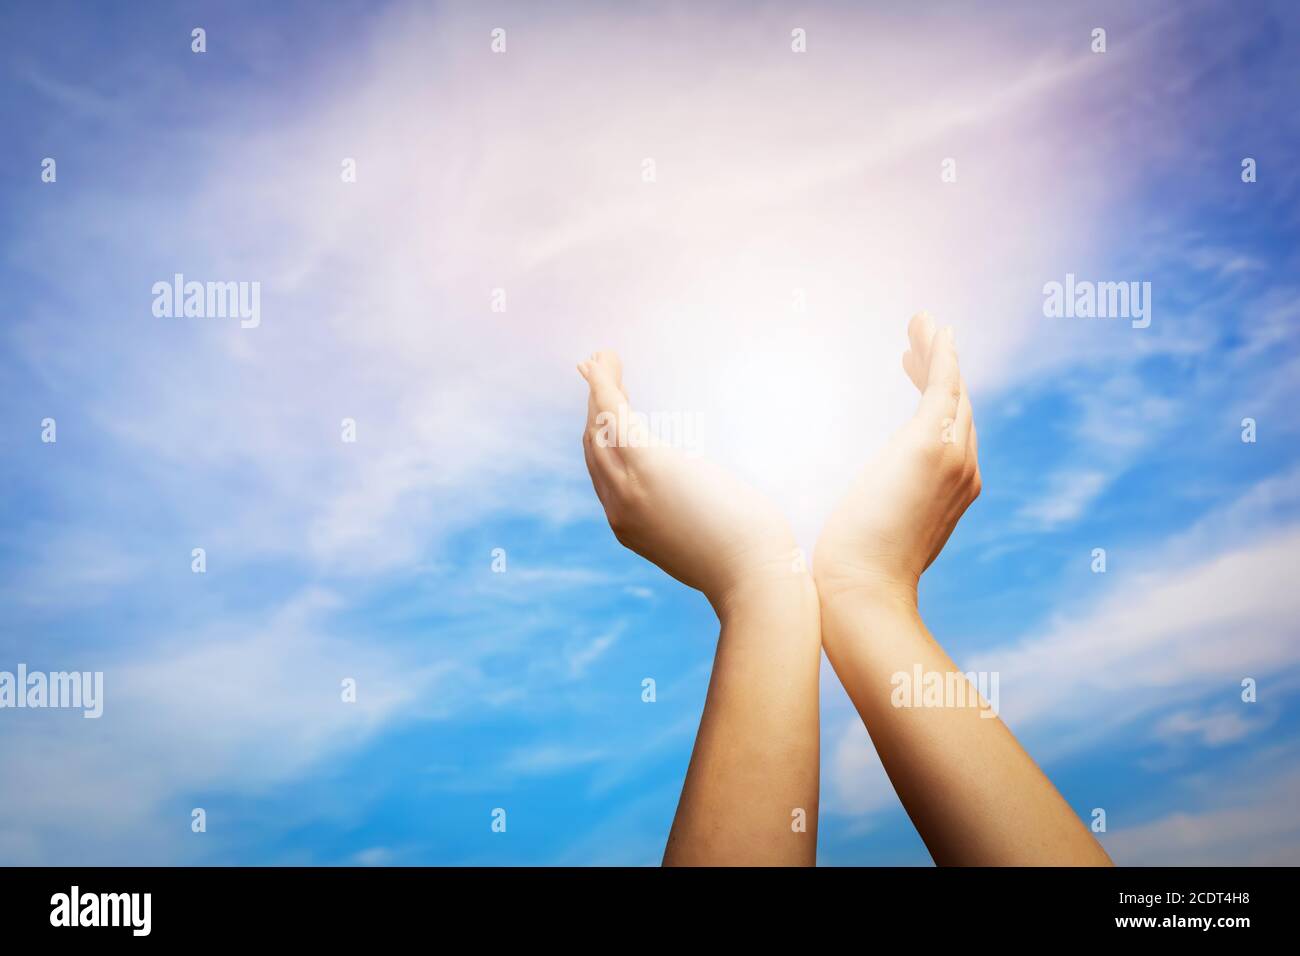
[973,793]
[753,774]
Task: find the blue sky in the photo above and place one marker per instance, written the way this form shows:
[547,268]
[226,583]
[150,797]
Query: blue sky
[817,172]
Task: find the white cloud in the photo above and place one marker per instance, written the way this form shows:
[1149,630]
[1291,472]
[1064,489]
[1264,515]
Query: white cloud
[1258,828]
[376,294]
[1159,641]
[817,176]
[581,658]
[216,710]
[855,780]
[1140,661]
[1068,496]
[1212,729]
[549,759]
[374,856]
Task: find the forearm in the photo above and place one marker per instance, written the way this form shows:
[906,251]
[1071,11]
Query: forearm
[974,794]
[750,796]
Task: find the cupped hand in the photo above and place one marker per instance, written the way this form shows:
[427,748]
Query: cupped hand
[900,511]
[682,513]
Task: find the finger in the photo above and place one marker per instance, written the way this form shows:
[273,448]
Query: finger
[920,334]
[609,359]
[609,418]
[606,401]
[965,416]
[614,407]
[911,367]
[599,439]
[608,362]
[604,373]
[943,386]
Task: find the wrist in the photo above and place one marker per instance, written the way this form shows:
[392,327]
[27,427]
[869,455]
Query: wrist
[858,612]
[866,590]
[764,590]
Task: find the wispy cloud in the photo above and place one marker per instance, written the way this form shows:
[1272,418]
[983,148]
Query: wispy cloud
[1212,729]
[776,174]
[1147,659]
[1256,828]
[1067,497]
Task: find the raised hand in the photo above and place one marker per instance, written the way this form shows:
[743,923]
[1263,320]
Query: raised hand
[680,512]
[750,795]
[974,794]
[900,511]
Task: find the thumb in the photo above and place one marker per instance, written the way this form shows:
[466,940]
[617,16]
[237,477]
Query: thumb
[604,373]
[943,386]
